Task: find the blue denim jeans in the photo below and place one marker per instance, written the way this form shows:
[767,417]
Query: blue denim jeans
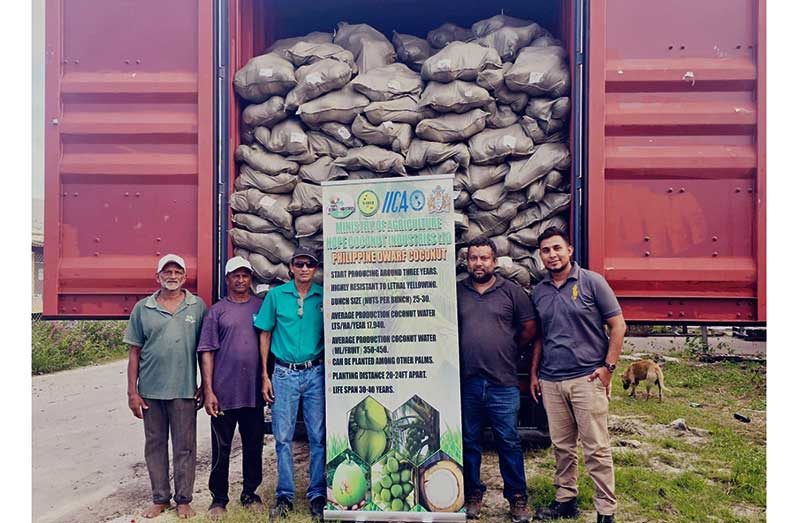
[497,405]
[289,386]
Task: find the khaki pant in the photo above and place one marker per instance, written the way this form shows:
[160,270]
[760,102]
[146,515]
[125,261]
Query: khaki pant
[578,408]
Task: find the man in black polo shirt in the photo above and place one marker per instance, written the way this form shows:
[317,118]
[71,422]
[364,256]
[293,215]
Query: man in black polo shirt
[572,369]
[496,322]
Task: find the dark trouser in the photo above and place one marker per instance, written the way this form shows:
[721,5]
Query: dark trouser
[179,418]
[250,427]
[483,401]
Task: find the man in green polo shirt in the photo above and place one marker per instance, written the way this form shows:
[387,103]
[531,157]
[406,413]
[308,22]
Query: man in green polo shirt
[292,326]
[162,382]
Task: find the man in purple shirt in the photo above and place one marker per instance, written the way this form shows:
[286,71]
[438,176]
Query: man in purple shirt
[230,363]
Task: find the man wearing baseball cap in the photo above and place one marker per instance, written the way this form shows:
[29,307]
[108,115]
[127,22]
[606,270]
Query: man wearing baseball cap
[292,329]
[162,382]
[230,363]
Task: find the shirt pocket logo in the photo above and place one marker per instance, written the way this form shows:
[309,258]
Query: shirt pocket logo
[190,319]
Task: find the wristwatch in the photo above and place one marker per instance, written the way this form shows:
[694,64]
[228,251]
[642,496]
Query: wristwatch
[610,367]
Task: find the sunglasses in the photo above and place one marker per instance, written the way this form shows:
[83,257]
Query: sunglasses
[302,265]
[300,302]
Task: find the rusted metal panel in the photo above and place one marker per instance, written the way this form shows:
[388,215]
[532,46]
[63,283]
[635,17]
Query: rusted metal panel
[129,152]
[676,157]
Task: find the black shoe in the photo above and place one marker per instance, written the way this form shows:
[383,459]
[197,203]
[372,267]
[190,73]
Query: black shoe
[280,509]
[566,509]
[252,502]
[317,508]
[605,519]
[519,513]
[473,505]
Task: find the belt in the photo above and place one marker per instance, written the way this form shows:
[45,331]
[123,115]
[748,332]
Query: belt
[299,366]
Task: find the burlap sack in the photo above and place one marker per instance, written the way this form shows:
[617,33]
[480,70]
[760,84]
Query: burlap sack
[551,115]
[494,145]
[308,224]
[482,176]
[534,265]
[401,110]
[538,135]
[316,244]
[454,97]
[556,181]
[370,47]
[448,32]
[494,23]
[490,197]
[373,158]
[501,116]
[546,157]
[267,271]
[254,223]
[507,41]
[265,114]
[397,136]
[536,190]
[423,153]
[264,76]
[247,134]
[452,127]
[502,245]
[462,199]
[274,246]
[339,106]
[306,199]
[262,135]
[551,204]
[546,41]
[516,100]
[288,138]
[388,82]
[505,266]
[342,133]
[259,159]
[447,167]
[323,145]
[484,224]
[317,79]
[272,207]
[460,222]
[321,170]
[491,79]
[308,53]
[540,71]
[411,50]
[529,235]
[282,46]
[249,178]
[459,61]
[362,174]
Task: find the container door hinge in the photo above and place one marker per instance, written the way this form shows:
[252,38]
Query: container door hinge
[580,58]
[220,72]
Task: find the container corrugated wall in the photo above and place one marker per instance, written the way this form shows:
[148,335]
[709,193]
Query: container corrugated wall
[676,161]
[129,150]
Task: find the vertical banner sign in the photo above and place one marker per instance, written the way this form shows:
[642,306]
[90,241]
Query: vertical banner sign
[394,445]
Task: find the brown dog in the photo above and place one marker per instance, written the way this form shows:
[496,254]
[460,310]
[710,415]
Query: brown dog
[644,370]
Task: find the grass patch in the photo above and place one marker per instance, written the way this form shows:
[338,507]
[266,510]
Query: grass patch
[61,345]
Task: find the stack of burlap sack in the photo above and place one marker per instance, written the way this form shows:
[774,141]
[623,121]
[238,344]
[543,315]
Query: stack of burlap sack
[488,104]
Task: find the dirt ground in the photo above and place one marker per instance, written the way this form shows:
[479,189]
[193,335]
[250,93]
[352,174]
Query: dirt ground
[88,449]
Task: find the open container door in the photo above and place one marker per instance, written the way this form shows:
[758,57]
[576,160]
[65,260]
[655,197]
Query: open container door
[129,150]
[676,148]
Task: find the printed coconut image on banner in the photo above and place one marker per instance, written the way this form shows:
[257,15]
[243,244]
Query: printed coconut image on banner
[394,444]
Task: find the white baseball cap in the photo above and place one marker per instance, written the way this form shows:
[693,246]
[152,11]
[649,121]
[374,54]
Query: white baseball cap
[236,262]
[171,258]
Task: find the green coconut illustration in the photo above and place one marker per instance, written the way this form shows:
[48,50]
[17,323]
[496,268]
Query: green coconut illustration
[349,484]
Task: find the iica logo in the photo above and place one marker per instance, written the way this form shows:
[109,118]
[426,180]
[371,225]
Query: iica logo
[402,201]
[368,203]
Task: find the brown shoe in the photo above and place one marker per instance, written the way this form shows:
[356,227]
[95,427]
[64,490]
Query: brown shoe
[473,505]
[518,509]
